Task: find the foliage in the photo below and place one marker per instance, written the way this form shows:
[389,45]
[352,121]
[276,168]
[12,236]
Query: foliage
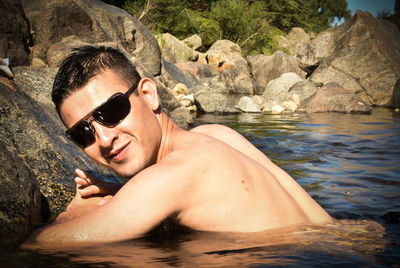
[252,24]
[386,14]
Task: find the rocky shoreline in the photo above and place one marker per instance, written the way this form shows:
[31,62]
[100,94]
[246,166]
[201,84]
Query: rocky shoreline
[348,68]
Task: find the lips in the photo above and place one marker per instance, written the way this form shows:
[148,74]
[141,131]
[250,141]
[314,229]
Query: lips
[118,154]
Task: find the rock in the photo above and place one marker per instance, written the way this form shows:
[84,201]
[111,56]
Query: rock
[180,89]
[175,50]
[36,62]
[395,101]
[209,102]
[258,99]
[310,56]
[20,202]
[172,75]
[334,98]
[290,106]
[277,90]
[266,68]
[201,71]
[182,117]
[362,55]
[14,33]
[301,91]
[59,51]
[227,57]
[92,21]
[247,105]
[193,41]
[392,217]
[295,40]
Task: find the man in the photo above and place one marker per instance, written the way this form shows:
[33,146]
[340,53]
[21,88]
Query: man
[209,178]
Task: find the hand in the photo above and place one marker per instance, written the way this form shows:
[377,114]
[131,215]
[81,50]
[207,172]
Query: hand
[89,185]
[82,205]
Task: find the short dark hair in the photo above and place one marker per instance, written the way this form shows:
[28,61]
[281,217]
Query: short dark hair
[85,63]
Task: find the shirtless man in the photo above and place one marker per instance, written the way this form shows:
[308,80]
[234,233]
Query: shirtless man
[209,179]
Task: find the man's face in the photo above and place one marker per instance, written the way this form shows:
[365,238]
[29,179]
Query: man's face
[130,146]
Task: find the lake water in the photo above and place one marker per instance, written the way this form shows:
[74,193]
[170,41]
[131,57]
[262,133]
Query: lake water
[349,163]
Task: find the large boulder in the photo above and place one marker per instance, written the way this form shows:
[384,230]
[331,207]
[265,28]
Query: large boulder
[266,68]
[277,90]
[334,98]
[301,91]
[20,199]
[294,40]
[90,21]
[362,55]
[14,33]
[213,102]
[227,57]
[175,50]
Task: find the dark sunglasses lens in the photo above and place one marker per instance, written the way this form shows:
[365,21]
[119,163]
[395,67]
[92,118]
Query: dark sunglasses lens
[81,134]
[113,111]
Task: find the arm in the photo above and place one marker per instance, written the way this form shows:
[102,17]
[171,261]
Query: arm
[141,204]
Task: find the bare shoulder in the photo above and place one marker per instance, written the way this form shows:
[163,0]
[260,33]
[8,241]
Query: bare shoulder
[214,130]
[235,140]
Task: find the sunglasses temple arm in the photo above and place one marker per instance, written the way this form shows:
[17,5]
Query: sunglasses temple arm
[131,89]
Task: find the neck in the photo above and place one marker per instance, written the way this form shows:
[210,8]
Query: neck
[168,127]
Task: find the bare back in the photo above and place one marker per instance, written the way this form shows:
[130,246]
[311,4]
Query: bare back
[282,201]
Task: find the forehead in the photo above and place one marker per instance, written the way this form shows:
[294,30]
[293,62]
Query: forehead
[90,96]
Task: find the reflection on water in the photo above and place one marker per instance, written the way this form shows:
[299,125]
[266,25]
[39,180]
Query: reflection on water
[348,163]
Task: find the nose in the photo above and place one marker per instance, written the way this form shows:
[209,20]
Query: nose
[105,136]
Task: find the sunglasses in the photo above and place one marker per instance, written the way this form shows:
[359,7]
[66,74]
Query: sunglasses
[109,114]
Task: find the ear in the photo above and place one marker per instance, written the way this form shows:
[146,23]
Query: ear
[147,89]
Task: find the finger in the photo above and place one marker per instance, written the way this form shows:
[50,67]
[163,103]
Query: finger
[82,182]
[80,173]
[88,178]
[89,190]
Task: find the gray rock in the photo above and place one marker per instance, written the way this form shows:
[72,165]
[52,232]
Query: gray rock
[201,71]
[20,202]
[193,41]
[247,105]
[304,90]
[227,57]
[209,102]
[334,98]
[362,55]
[294,40]
[310,56]
[266,68]
[92,21]
[175,50]
[277,90]
[172,75]
[59,51]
